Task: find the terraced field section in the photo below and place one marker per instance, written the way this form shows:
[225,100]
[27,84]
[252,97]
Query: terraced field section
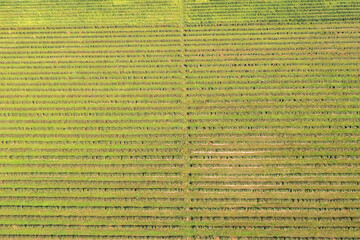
[179,119]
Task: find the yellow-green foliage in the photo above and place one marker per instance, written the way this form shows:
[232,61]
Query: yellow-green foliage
[179,119]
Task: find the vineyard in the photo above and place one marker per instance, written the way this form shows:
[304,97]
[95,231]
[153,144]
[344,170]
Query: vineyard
[180,119]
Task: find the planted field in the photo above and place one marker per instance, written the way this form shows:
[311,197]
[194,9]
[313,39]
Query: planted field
[179,119]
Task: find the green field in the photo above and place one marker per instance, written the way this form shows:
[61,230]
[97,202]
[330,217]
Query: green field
[180,119]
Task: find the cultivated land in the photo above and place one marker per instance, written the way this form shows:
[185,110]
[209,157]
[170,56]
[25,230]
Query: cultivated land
[179,119]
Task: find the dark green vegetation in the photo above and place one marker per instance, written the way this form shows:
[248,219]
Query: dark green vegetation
[179,119]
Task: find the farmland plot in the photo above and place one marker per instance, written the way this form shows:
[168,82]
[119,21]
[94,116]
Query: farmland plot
[179,119]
